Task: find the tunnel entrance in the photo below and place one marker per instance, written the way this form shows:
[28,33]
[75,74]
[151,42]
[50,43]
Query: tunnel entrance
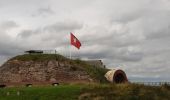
[119,78]
[116,76]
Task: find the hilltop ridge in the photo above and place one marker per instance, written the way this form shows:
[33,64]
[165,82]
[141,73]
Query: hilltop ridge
[48,69]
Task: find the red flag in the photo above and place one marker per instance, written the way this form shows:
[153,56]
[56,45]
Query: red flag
[74,41]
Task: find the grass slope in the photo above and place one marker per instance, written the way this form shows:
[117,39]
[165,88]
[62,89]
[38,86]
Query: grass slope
[88,92]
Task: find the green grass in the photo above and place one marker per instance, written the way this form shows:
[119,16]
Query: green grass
[126,92]
[39,57]
[88,92]
[66,92]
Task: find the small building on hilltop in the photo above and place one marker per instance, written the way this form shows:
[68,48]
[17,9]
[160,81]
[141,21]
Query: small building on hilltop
[34,52]
[96,63]
[41,52]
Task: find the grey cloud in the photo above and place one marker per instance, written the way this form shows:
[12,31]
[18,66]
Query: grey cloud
[8,25]
[133,34]
[9,49]
[44,11]
[7,43]
[161,34]
[125,57]
[48,37]
[158,26]
[114,35]
[64,26]
[112,43]
[128,17]
[53,29]
[129,56]
[110,52]
[26,33]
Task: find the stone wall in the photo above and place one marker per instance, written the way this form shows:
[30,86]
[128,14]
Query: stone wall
[52,71]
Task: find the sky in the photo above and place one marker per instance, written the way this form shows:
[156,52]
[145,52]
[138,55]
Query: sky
[132,35]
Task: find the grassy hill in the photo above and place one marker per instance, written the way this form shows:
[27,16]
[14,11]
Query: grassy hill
[53,67]
[101,90]
[96,73]
[88,92]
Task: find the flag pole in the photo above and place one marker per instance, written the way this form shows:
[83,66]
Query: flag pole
[70,46]
[70,51]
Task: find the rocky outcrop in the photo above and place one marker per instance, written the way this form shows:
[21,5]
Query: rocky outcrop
[48,71]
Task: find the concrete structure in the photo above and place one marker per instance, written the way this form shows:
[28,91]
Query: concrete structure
[116,76]
[41,52]
[96,63]
[34,51]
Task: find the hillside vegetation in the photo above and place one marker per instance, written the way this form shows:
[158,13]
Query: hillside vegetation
[88,92]
[40,57]
[125,92]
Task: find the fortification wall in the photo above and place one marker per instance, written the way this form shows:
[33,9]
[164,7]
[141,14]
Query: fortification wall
[29,72]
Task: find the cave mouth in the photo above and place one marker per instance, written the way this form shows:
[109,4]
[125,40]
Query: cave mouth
[119,78]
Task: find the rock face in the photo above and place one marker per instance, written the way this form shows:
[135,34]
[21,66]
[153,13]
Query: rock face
[48,71]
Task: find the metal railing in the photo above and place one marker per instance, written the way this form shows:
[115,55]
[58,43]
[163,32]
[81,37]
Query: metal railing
[152,83]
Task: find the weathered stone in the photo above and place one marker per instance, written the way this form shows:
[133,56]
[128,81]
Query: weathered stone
[16,71]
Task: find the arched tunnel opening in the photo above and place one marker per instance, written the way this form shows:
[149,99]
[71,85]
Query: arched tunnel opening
[116,76]
[119,78]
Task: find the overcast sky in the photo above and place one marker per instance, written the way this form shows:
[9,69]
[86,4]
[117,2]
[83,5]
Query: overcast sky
[133,35]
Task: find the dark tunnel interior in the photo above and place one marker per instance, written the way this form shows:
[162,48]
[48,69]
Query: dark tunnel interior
[119,78]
